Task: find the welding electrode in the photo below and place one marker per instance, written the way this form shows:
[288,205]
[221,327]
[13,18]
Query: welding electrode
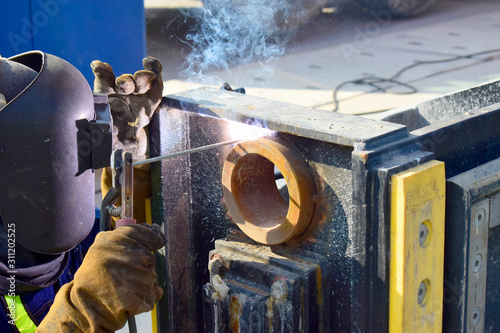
[127,190]
[185,152]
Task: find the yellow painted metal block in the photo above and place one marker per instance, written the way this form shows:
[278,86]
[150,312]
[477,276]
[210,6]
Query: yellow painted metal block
[149,212]
[149,220]
[417,249]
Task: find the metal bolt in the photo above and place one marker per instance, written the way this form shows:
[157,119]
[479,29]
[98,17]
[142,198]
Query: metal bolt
[422,292]
[279,290]
[475,316]
[217,265]
[480,217]
[423,234]
[477,263]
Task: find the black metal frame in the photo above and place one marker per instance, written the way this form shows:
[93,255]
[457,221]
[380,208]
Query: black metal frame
[353,159]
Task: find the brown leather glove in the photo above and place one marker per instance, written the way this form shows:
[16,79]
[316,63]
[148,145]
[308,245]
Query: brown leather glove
[133,100]
[116,279]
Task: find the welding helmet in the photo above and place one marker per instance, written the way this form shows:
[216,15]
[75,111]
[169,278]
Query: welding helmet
[42,199]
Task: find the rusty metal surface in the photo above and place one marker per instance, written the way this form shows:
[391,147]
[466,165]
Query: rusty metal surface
[252,197]
[321,125]
[271,290]
[352,170]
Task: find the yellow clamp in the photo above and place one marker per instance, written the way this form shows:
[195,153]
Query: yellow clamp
[417,249]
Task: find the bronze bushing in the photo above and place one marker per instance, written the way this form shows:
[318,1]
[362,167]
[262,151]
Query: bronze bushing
[252,197]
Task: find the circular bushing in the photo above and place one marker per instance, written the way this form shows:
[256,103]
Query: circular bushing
[252,197]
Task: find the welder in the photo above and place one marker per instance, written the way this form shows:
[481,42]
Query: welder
[56,275]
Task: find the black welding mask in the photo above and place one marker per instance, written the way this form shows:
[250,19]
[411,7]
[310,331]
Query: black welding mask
[45,200]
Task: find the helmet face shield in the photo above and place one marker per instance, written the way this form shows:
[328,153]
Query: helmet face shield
[51,208]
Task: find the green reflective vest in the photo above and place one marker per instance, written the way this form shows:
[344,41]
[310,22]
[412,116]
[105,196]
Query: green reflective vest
[17,313]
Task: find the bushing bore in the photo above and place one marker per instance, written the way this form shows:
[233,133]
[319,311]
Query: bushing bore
[252,197]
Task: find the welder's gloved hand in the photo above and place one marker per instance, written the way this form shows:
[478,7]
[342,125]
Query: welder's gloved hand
[116,279]
[142,191]
[133,100]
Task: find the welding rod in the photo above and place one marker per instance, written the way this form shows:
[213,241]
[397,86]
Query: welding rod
[185,152]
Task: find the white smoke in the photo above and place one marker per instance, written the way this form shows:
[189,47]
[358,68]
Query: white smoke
[235,32]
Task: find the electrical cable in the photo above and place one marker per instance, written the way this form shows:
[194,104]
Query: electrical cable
[374,81]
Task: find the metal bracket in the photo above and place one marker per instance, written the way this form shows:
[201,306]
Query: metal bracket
[478,248]
[417,249]
[495,210]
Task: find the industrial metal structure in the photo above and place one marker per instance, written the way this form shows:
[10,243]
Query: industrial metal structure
[385,225]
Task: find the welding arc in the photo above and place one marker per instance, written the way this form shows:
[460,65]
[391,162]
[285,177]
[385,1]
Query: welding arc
[185,152]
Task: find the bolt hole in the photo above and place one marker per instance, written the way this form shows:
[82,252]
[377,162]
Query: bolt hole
[480,217]
[475,317]
[424,233]
[477,263]
[423,292]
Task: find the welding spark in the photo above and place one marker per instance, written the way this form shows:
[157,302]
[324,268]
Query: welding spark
[252,131]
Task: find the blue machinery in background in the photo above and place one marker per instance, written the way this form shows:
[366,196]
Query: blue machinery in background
[78,31]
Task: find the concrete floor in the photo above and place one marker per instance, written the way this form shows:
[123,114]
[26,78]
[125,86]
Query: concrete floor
[345,45]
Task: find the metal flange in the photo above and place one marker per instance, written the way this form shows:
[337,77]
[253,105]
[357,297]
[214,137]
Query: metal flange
[252,197]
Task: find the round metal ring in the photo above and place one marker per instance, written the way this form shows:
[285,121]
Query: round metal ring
[252,197]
